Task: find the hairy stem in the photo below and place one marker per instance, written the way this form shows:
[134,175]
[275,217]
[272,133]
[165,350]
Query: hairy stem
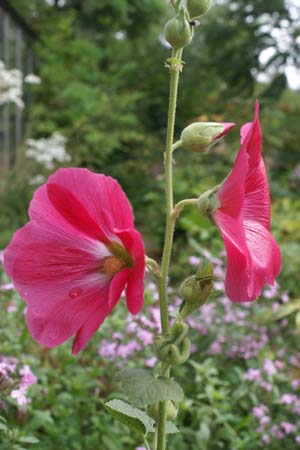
[169,231]
[175,68]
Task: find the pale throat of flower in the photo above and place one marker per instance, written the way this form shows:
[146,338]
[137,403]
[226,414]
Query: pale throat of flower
[119,260]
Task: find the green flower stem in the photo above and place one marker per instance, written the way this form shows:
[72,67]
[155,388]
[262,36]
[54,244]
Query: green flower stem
[155,439]
[165,263]
[169,232]
[176,145]
[162,424]
[152,266]
[146,444]
[187,202]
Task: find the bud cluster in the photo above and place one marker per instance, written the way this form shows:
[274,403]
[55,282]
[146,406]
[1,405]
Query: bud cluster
[179,30]
[174,349]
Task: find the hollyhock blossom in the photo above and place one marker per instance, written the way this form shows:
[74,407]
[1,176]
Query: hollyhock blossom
[71,262]
[243,217]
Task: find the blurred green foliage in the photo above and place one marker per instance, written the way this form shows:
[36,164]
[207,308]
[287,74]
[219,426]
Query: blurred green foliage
[104,87]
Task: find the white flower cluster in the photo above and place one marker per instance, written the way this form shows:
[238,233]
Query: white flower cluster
[47,151]
[11,85]
[31,78]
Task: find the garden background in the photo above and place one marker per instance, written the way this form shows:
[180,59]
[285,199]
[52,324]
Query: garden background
[101,102]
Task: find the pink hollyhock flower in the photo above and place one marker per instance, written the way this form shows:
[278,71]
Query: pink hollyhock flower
[243,217]
[73,259]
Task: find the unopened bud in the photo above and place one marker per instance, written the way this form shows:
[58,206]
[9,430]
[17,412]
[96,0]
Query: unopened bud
[189,289]
[172,410]
[196,290]
[178,31]
[208,202]
[199,136]
[197,8]
[173,349]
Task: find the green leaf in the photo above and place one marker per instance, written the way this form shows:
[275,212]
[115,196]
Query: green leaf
[134,418]
[297,322]
[286,310]
[269,315]
[142,388]
[171,428]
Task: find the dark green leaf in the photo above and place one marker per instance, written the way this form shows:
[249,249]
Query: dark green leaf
[130,416]
[142,388]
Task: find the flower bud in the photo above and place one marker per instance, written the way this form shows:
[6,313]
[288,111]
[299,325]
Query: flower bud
[199,136]
[178,31]
[173,349]
[195,290]
[208,202]
[174,355]
[197,8]
[172,410]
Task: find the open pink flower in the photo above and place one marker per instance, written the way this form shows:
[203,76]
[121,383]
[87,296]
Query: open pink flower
[73,259]
[243,217]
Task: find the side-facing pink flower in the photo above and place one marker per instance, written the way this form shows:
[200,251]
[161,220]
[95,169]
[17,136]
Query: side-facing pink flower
[243,217]
[71,262]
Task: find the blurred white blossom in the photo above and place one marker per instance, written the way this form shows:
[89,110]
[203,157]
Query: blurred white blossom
[11,86]
[31,78]
[47,151]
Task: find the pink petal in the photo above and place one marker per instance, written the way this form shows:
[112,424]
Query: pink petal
[73,211]
[96,192]
[132,240]
[253,256]
[51,326]
[46,263]
[228,126]
[265,257]
[89,328]
[117,286]
[231,192]
[238,257]
[257,195]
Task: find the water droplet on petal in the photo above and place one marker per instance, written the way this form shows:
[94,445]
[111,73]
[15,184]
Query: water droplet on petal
[74,293]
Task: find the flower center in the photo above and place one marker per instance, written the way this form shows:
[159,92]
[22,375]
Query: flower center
[113,265]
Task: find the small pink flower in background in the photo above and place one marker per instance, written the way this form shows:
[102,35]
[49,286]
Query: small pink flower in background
[20,396]
[194,260]
[269,367]
[6,287]
[253,375]
[266,439]
[260,411]
[150,362]
[27,380]
[288,399]
[288,427]
[243,217]
[74,258]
